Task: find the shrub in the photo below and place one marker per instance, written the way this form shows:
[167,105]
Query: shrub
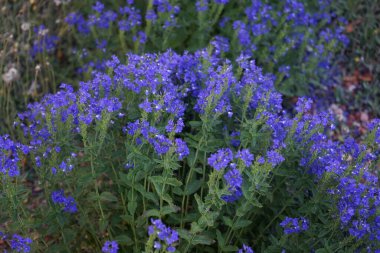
[295,40]
[185,153]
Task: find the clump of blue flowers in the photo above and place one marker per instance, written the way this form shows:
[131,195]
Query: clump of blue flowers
[166,237]
[246,249]
[11,155]
[17,242]
[195,148]
[43,43]
[293,39]
[68,203]
[294,225]
[110,247]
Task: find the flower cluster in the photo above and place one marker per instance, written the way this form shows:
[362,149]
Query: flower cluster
[251,28]
[11,155]
[128,18]
[261,21]
[234,181]
[17,242]
[68,203]
[179,114]
[246,249]
[358,204]
[43,42]
[294,225]
[110,247]
[166,236]
[222,159]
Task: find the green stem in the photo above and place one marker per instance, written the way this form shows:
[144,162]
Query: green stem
[133,225]
[203,173]
[93,173]
[189,243]
[148,24]
[183,209]
[63,236]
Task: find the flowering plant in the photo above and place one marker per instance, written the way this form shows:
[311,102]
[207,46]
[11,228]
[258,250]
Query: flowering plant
[294,39]
[185,153]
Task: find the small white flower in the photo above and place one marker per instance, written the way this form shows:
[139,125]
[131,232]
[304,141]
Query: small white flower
[11,75]
[25,26]
[59,2]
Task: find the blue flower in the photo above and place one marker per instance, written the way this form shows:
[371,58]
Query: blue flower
[201,5]
[110,247]
[11,155]
[165,235]
[245,156]
[20,244]
[181,148]
[234,182]
[221,1]
[233,178]
[294,225]
[246,249]
[69,204]
[220,159]
[274,157]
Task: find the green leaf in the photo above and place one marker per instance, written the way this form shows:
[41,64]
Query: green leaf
[178,191]
[125,179]
[185,234]
[241,224]
[220,239]
[132,206]
[229,248]
[103,223]
[255,202]
[167,198]
[156,181]
[92,196]
[123,239]
[127,218]
[173,182]
[169,209]
[192,187]
[203,240]
[148,195]
[321,250]
[70,234]
[152,213]
[227,221]
[243,209]
[195,228]
[108,197]
[195,124]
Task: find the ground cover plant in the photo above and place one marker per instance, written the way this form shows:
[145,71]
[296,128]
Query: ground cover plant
[295,40]
[177,139]
[184,153]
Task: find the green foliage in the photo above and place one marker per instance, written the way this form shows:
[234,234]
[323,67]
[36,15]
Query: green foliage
[121,182]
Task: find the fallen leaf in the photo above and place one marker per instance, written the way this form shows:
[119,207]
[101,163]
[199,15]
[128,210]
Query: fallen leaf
[349,28]
[368,77]
[350,79]
[352,25]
